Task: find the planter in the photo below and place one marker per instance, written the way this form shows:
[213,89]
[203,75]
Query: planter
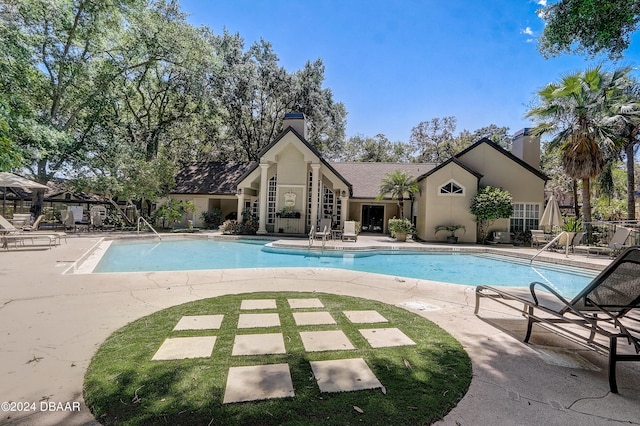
[401,236]
[452,239]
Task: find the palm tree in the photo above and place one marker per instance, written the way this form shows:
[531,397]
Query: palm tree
[574,110]
[626,118]
[398,184]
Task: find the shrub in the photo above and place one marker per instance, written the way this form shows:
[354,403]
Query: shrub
[488,205]
[212,219]
[402,226]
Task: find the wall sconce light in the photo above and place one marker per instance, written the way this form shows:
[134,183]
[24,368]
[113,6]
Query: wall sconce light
[239,192]
[344,193]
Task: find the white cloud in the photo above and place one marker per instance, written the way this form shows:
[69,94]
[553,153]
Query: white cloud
[527,31]
[542,3]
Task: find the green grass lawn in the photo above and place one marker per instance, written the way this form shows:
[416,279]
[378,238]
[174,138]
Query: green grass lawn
[422,382]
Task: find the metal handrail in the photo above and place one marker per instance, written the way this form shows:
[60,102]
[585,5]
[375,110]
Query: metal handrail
[140,218]
[550,243]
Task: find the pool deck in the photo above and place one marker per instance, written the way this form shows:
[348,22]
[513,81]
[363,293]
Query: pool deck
[52,323]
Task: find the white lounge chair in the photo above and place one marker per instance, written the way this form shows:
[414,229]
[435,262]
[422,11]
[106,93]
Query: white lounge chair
[10,233]
[349,231]
[35,230]
[324,230]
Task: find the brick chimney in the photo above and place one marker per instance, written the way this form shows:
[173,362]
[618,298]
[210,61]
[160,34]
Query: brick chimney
[526,147]
[297,121]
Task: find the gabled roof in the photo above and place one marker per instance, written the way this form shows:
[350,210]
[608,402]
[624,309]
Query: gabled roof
[366,177]
[505,153]
[216,177]
[307,144]
[450,160]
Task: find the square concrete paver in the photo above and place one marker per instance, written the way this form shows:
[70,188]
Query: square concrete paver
[305,303]
[386,337]
[344,375]
[258,344]
[313,318]
[317,341]
[258,320]
[364,317]
[246,305]
[199,322]
[185,347]
[258,382]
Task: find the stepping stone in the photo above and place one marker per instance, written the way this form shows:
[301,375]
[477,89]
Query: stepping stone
[258,304]
[313,318]
[185,347]
[344,375]
[317,341]
[305,303]
[364,317]
[258,344]
[199,322]
[258,320]
[258,382]
[385,337]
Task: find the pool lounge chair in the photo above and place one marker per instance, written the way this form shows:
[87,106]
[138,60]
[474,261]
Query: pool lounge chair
[35,230]
[597,317]
[349,231]
[615,245]
[9,233]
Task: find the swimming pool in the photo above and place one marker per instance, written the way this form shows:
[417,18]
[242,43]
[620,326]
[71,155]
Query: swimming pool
[468,269]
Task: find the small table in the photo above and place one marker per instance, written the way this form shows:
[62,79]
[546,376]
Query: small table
[336,234]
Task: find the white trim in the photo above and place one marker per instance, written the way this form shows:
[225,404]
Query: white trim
[452,194]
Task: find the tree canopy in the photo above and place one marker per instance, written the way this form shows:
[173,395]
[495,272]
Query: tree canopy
[589,26]
[104,92]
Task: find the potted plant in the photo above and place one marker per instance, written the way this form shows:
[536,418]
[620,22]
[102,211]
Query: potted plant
[400,228]
[571,225]
[451,238]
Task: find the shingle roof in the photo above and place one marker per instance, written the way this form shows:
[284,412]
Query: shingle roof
[216,177]
[365,177]
[523,163]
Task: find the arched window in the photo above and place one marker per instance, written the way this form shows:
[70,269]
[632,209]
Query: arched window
[451,188]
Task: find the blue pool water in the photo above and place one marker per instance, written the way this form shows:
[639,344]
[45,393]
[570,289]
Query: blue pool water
[470,269]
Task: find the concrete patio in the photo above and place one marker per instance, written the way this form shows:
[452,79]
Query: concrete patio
[52,323]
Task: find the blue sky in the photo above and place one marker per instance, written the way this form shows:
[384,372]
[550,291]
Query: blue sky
[396,63]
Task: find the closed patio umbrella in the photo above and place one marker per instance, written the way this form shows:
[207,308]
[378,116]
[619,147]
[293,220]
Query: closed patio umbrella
[10,180]
[551,217]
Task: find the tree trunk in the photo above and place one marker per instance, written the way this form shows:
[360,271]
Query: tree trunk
[631,184]
[576,207]
[586,206]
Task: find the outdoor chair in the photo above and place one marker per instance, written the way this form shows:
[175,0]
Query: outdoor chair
[538,238]
[613,248]
[67,219]
[349,231]
[324,230]
[9,233]
[34,230]
[34,225]
[596,317]
[96,220]
[22,220]
[577,240]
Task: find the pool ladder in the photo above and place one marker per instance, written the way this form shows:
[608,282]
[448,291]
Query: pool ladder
[140,218]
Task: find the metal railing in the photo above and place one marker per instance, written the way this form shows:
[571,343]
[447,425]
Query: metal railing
[140,218]
[552,242]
